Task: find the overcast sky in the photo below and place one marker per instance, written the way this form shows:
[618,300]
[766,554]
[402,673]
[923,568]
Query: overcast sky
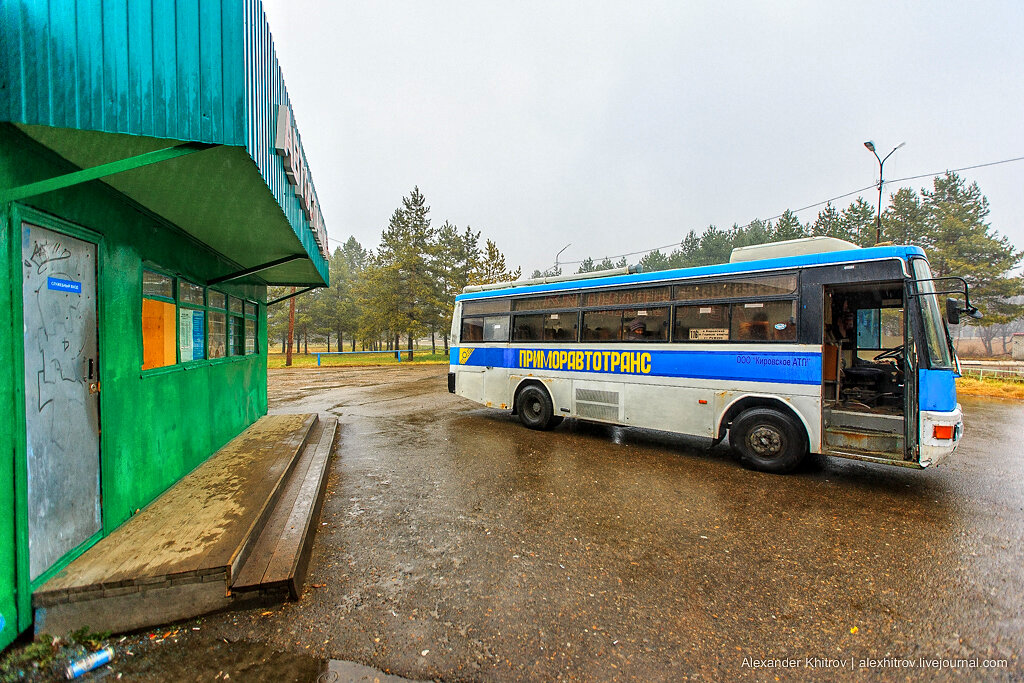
[620,126]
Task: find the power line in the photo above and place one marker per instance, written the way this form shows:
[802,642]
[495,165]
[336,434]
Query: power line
[824,202]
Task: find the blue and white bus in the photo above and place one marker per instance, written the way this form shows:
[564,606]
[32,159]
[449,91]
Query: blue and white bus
[806,346]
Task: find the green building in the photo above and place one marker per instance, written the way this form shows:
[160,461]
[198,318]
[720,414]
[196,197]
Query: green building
[152,185]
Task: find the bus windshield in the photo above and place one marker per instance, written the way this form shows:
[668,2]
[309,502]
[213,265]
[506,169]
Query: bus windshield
[934,326]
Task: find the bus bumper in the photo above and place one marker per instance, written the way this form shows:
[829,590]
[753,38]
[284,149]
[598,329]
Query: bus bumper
[940,434]
[451,382]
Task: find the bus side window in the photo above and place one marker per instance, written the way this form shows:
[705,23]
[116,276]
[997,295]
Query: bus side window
[602,326]
[645,324]
[528,328]
[560,327]
[702,323]
[764,321]
[472,330]
[495,328]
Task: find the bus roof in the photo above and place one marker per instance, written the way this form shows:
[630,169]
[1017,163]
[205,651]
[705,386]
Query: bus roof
[802,261]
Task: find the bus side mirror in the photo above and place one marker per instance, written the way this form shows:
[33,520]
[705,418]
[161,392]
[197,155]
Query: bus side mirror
[952,312]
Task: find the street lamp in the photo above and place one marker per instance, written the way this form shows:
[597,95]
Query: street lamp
[559,254]
[881,162]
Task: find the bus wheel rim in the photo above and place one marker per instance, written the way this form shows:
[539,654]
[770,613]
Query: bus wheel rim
[533,407]
[765,441]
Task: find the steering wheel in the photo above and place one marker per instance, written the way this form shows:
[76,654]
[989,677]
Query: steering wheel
[894,352]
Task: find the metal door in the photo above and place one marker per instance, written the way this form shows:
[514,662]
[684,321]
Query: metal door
[61,394]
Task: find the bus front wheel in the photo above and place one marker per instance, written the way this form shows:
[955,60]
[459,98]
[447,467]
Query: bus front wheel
[535,408]
[767,440]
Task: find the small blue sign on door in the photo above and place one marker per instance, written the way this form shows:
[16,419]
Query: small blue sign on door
[64,285]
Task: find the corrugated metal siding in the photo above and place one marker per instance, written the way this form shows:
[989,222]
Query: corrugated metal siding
[195,70]
[160,68]
[264,92]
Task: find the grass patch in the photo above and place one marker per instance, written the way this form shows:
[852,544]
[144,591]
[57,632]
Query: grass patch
[299,360]
[997,388]
[24,662]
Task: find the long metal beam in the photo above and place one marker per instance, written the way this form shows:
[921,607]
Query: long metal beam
[95,172]
[255,269]
[285,298]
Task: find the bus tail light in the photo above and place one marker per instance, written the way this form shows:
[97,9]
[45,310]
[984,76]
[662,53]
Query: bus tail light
[942,431]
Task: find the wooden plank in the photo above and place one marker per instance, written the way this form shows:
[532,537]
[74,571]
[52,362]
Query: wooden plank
[250,575]
[296,540]
[306,551]
[282,552]
[201,523]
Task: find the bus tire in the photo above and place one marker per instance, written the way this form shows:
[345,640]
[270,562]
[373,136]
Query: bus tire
[768,440]
[535,408]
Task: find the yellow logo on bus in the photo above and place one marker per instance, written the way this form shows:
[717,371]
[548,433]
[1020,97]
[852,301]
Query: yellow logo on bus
[464,355]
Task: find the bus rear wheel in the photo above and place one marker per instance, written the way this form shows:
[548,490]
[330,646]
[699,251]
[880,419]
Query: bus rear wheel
[767,440]
[535,408]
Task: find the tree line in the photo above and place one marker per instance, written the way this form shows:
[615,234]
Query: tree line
[405,289]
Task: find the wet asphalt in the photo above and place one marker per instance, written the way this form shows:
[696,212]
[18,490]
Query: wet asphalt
[457,545]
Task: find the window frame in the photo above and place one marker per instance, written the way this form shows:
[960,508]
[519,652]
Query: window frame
[207,307]
[172,300]
[239,315]
[189,306]
[212,308]
[246,319]
[552,311]
[671,303]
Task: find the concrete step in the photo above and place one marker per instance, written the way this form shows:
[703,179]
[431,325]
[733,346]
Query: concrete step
[280,555]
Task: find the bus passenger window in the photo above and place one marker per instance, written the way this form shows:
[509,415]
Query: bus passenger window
[472,330]
[560,327]
[702,323]
[645,324]
[496,328]
[764,321]
[528,328]
[602,325]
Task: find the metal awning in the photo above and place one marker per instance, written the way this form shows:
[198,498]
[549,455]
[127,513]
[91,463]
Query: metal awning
[216,196]
[173,75]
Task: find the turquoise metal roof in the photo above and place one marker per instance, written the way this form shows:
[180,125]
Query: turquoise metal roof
[825,258]
[164,70]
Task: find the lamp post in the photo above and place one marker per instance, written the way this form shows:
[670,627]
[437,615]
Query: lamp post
[881,162]
[559,254]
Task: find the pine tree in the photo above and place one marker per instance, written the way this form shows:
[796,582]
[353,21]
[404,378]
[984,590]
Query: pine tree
[858,223]
[788,227]
[457,264]
[654,261]
[903,220]
[828,223]
[493,267]
[960,242]
[402,273]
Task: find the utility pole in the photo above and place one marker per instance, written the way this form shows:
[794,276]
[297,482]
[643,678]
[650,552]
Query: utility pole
[291,330]
[881,162]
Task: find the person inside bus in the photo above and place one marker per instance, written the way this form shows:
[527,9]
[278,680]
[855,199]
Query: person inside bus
[636,329]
